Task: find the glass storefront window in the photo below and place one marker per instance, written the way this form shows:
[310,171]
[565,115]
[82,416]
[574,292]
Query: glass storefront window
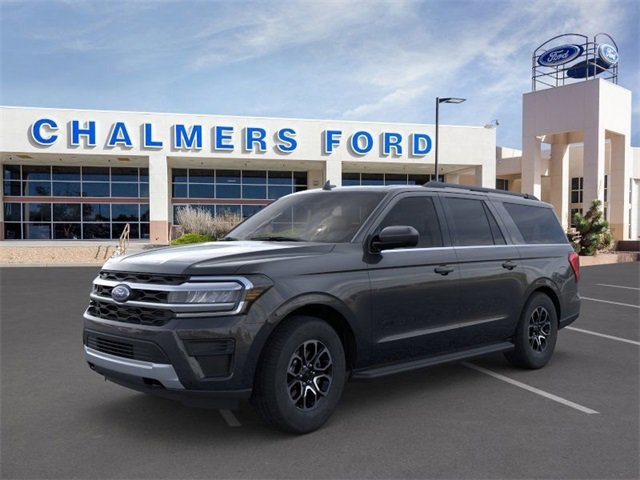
[95,174]
[124,212]
[67,231]
[254,191]
[37,231]
[256,177]
[129,190]
[95,189]
[11,172]
[227,176]
[197,175]
[96,230]
[38,212]
[13,189]
[13,231]
[32,172]
[66,189]
[38,189]
[179,190]
[66,174]
[279,191]
[197,190]
[66,212]
[12,212]
[280,178]
[124,174]
[100,212]
[227,191]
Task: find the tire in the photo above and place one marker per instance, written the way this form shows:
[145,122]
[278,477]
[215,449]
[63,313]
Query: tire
[301,375]
[536,335]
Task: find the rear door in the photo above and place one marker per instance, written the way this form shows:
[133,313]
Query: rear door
[491,279]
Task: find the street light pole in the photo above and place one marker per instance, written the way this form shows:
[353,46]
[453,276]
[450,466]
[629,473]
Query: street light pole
[438,102]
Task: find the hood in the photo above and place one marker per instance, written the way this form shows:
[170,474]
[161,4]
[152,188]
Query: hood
[213,257]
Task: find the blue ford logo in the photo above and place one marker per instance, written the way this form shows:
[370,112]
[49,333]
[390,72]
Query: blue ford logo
[608,54]
[560,55]
[121,293]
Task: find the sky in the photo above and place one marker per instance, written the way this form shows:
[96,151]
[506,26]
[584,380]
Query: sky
[359,60]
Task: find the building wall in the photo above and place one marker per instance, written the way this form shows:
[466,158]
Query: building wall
[160,145]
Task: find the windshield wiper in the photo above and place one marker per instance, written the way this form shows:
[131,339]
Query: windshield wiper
[276,238]
[228,239]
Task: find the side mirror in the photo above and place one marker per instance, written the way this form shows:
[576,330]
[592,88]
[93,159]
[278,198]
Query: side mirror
[396,236]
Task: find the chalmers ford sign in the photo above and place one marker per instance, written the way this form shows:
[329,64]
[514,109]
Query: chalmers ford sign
[45,132]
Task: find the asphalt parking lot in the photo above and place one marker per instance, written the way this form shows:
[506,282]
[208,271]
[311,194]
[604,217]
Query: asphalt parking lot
[577,418]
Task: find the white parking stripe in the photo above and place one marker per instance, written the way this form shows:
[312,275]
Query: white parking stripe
[529,388]
[612,303]
[230,418]
[616,286]
[610,337]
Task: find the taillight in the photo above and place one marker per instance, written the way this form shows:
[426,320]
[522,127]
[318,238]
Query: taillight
[574,261]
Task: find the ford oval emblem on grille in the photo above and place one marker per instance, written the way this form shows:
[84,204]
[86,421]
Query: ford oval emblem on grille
[121,293]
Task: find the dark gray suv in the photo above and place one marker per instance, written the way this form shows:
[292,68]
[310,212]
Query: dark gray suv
[328,285]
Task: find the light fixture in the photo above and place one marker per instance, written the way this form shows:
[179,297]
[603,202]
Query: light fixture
[438,102]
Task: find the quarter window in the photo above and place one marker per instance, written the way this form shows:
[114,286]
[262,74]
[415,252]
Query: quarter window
[537,225]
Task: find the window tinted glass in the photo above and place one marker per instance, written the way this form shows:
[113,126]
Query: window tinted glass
[468,222]
[419,213]
[536,224]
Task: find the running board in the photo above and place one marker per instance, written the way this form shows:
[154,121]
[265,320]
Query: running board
[372,373]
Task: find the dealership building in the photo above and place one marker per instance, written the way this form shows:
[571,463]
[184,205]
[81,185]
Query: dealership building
[86,174]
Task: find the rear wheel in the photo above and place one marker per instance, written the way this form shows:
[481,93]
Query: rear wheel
[536,334]
[301,376]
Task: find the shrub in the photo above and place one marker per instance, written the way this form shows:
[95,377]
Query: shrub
[200,221]
[593,231]
[192,238]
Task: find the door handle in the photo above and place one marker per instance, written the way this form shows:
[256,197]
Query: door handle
[443,269]
[509,265]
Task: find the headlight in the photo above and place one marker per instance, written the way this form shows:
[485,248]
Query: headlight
[211,293]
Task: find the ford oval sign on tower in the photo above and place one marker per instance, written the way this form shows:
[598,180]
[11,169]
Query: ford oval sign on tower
[571,57]
[560,55]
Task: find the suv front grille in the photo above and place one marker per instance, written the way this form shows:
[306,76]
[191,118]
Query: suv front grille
[125,347]
[155,279]
[129,314]
[150,296]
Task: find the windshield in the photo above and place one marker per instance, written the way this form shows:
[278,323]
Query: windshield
[319,216]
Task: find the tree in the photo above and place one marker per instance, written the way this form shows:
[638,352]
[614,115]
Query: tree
[593,231]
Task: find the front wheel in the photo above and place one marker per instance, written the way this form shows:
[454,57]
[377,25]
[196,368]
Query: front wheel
[536,334]
[301,376]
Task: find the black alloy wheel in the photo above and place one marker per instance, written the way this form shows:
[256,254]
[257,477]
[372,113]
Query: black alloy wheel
[301,375]
[536,334]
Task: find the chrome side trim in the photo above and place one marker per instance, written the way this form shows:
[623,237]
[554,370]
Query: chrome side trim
[164,373]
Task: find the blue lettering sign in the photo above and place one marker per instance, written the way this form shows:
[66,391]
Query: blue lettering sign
[186,139]
[37,133]
[286,141]
[89,131]
[119,135]
[361,142]
[253,136]
[331,139]
[421,144]
[391,140]
[223,135]
[147,138]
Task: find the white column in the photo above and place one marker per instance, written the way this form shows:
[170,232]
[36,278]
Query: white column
[486,175]
[559,173]
[159,199]
[333,171]
[593,166]
[531,166]
[619,187]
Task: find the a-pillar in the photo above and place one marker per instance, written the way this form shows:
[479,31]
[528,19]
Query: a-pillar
[559,173]
[532,166]
[159,199]
[619,187]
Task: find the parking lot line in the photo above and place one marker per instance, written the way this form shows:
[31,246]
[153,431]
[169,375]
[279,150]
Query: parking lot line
[610,337]
[230,418]
[612,303]
[616,286]
[531,389]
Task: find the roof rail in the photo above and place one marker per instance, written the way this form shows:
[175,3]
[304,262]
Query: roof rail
[472,188]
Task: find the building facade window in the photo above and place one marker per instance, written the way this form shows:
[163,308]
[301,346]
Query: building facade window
[502,184]
[68,202]
[577,184]
[357,179]
[243,192]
